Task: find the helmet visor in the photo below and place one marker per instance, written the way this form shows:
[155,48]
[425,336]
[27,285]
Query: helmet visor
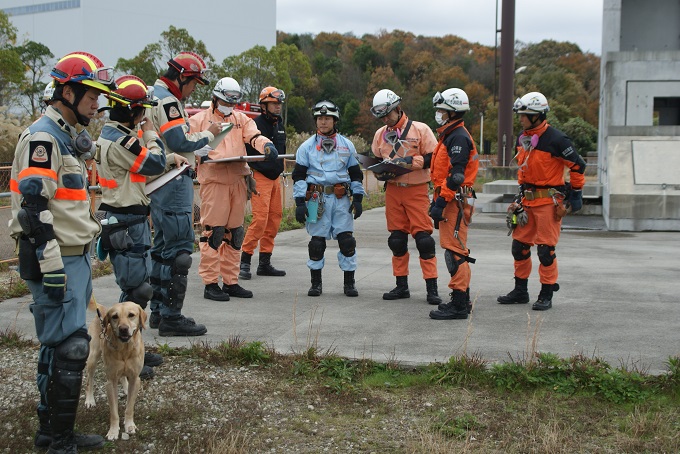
[381,110]
[324,108]
[230,96]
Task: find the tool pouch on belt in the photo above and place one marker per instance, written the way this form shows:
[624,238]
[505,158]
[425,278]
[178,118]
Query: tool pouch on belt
[115,237]
[560,211]
[339,190]
[29,266]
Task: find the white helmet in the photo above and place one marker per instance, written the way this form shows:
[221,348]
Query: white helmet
[228,90]
[532,103]
[326,108]
[384,102]
[452,99]
[48,93]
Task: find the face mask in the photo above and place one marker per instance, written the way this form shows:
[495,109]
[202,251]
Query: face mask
[225,110]
[83,145]
[439,118]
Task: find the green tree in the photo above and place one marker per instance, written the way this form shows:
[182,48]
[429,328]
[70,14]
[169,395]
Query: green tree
[36,58]
[11,66]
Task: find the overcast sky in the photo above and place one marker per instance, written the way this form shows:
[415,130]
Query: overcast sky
[577,21]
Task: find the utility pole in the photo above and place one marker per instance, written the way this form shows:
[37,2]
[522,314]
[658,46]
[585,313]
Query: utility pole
[507,74]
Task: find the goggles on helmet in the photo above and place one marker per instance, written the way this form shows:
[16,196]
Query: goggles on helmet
[231,96]
[519,105]
[101,75]
[279,95]
[381,110]
[324,108]
[438,99]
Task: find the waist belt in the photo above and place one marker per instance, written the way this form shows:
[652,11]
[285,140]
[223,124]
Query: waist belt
[538,193]
[133,209]
[69,251]
[329,189]
[404,185]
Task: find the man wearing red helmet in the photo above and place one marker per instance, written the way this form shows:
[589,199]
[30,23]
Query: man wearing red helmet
[267,206]
[54,226]
[172,204]
[125,158]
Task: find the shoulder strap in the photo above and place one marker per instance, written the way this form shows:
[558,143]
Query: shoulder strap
[398,144]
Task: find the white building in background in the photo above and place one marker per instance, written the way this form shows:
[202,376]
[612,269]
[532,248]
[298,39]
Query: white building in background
[639,129]
[121,29]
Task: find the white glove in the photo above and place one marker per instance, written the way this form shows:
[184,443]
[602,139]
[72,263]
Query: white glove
[201,152]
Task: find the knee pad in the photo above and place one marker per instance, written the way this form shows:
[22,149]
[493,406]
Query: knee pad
[72,353]
[347,244]
[141,295]
[518,250]
[317,247]
[182,263]
[425,244]
[452,261]
[238,234]
[398,243]
[546,254]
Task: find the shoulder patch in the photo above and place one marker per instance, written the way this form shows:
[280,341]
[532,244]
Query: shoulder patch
[131,144]
[40,154]
[172,111]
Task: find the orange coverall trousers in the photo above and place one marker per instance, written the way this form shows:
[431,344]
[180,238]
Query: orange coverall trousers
[267,211]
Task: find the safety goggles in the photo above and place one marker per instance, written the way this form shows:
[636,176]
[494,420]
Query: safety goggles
[438,99]
[231,96]
[325,108]
[519,105]
[101,75]
[381,110]
[279,95]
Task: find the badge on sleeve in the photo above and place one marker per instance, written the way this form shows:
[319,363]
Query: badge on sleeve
[172,111]
[40,154]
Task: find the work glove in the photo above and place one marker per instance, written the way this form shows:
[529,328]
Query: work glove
[270,152]
[300,210]
[251,186]
[575,201]
[406,161]
[454,181]
[54,284]
[215,240]
[384,176]
[356,205]
[522,216]
[437,210]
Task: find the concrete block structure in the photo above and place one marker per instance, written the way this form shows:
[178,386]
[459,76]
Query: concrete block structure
[639,124]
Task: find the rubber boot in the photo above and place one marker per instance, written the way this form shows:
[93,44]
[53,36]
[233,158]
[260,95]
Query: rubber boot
[245,273]
[265,268]
[316,288]
[349,287]
[43,437]
[400,291]
[544,301]
[456,309]
[518,295]
[432,293]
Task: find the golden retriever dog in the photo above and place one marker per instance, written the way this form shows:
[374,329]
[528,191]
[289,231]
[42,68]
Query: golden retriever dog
[117,338]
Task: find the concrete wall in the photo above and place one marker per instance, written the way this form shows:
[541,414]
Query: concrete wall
[637,161]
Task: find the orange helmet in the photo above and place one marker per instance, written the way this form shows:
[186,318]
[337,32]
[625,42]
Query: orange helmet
[190,64]
[86,69]
[131,92]
[272,94]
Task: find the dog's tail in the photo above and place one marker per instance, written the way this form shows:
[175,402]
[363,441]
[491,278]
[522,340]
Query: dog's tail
[94,306]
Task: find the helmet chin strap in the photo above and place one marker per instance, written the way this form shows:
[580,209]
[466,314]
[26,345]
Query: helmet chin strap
[79,92]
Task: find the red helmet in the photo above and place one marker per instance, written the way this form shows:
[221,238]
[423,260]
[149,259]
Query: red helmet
[190,64]
[86,69]
[272,94]
[131,92]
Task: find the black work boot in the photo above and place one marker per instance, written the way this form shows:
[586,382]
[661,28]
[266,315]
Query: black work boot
[518,295]
[432,293]
[154,320]
[245,273]
[236,291]
[349,287]
[146,373]
[43,437]
[180,326]
[544,301]
[316,288]
[456,309]
[215,293]
[64,443]
[265,268]
[400,291]
[152,359]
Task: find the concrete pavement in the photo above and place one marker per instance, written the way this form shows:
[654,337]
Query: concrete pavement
[619,300]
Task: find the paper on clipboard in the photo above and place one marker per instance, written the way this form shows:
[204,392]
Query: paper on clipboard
[248,158]
[226,127]
[165,178]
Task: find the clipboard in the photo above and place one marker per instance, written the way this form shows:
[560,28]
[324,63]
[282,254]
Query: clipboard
[165,178]
[367,161]
[226,127]
[247,158]
[386,166]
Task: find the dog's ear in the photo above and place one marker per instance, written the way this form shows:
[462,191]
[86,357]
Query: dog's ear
[142,317]
[107,319]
